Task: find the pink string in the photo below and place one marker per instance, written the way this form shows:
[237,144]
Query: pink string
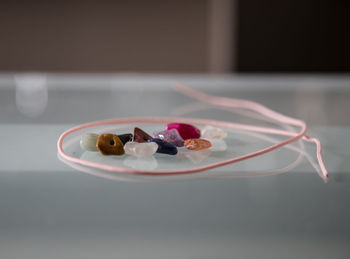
[245,104]
[219,101]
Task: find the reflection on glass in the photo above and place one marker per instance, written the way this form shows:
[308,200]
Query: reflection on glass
[194,156]
[92,156]
[141,163]
[218,145]
[31,94]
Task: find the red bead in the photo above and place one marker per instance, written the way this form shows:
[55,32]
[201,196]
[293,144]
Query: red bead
[186,131]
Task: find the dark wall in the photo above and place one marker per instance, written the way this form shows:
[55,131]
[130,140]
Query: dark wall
[104,35]
[293,36]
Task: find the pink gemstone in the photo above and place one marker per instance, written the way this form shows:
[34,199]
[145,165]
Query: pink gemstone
[186,131]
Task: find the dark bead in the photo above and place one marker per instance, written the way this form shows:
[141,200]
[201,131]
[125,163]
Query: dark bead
[140,136]
[125,137]
[164,147]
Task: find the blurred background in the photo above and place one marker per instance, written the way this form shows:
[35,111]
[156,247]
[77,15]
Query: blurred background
[67,62]
[201,36]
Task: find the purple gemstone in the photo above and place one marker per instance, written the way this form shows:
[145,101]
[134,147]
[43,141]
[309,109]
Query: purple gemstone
[171,136]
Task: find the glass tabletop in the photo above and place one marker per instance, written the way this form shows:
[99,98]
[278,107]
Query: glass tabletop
[269,206]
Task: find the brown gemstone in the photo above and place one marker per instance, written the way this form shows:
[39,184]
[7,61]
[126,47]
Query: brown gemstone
[197,144]
[110,144]
[140,136]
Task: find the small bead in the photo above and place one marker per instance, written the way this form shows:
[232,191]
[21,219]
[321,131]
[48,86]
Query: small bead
[197,144]
[110,144]
[164,147]
[124,138]
[186,131]
[213,133]
[140,149]
[171,136]
[140,136]
[88,142]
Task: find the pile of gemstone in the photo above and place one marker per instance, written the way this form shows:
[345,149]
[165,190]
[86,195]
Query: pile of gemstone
[141,144]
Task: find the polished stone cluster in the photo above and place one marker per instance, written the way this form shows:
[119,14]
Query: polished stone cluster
[142,145]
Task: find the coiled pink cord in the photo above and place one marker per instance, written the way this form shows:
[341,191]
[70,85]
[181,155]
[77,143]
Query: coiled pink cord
[218,101]
[245,104]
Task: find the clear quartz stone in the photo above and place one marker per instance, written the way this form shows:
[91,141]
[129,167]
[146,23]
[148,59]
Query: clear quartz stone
[144,149]
[211,132]
[88,142]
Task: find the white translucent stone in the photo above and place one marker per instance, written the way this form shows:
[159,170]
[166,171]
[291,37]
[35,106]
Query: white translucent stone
[144,149]
[88,142]
[211,132]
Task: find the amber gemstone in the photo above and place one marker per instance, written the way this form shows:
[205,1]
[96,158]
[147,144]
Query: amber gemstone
[140,136]
[197,144]
[110,144]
